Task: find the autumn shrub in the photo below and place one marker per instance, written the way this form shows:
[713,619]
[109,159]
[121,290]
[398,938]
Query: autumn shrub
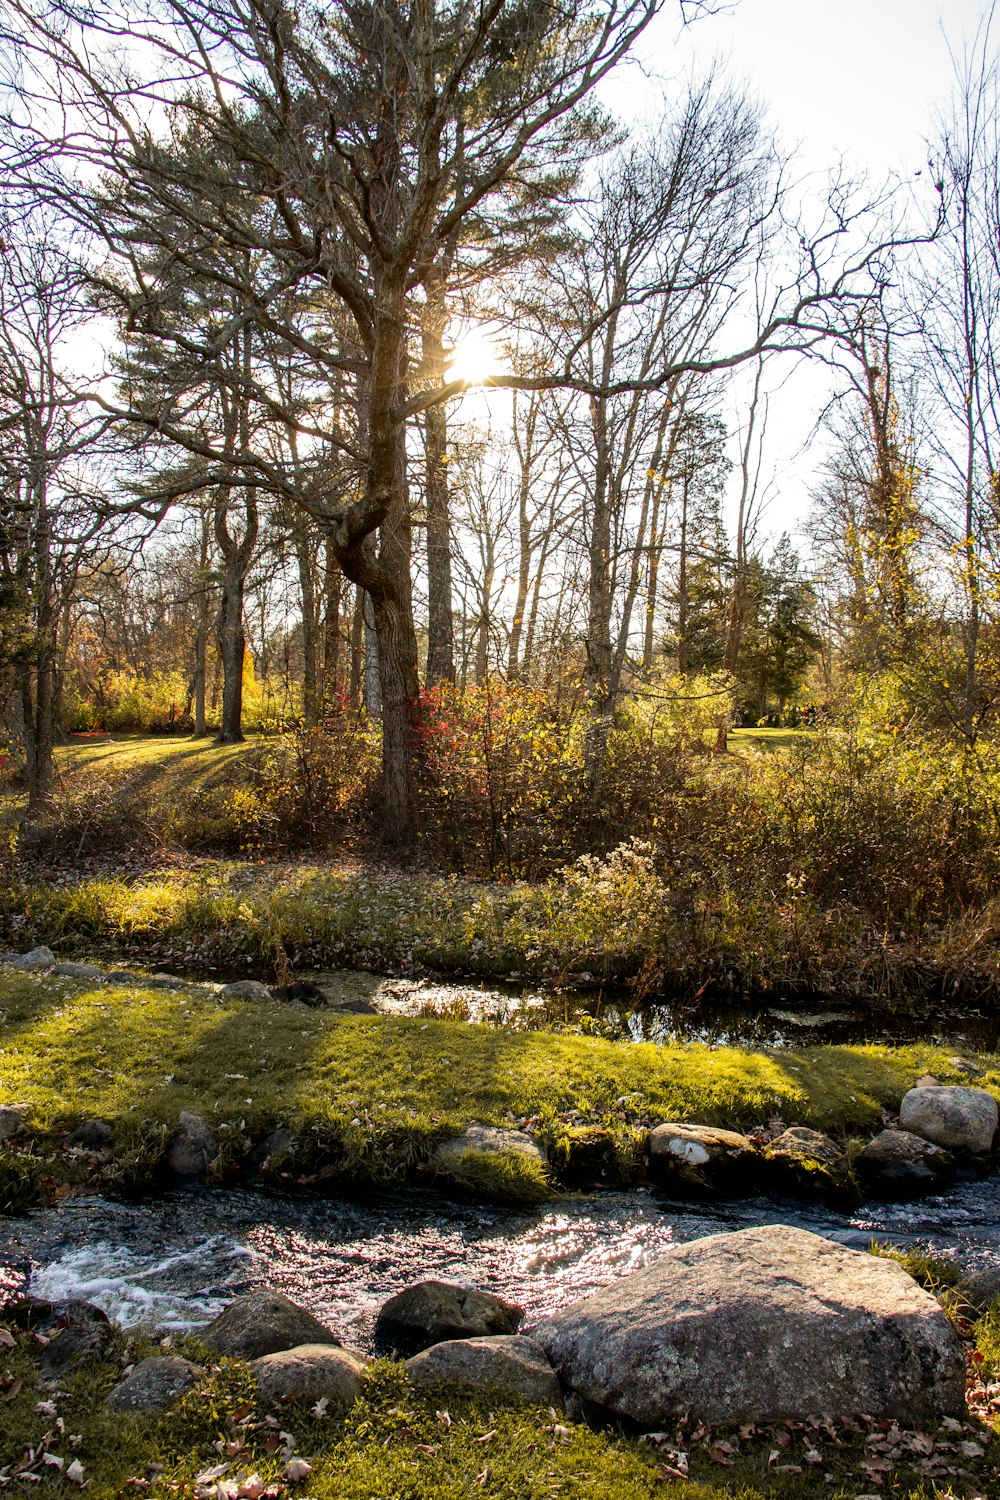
[124,702]
[501,778]
[297,791]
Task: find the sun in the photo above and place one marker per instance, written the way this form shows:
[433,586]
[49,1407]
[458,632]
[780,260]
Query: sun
[475,357]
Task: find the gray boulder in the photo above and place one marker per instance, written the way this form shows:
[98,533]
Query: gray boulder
[77,971]
[262,1323]
[516,1365]
[897,1163]
[165,982]
[955,1116]
[309,1373]
[36,962]
[154,1384]
[94,1133]
[699,1154]
[764,1325]
[432,1311]
[247,989]
[193,1148]
[11,1123]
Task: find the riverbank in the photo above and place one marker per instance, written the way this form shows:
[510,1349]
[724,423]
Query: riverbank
[223,1438]
[312,1098]
[615,921]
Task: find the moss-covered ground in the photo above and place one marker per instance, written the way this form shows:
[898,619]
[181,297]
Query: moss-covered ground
[400,1444]
[369,1096]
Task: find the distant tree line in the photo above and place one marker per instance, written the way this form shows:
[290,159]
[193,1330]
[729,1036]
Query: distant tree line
[242,247]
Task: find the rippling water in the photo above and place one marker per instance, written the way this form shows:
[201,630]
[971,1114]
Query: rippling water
[175,1262]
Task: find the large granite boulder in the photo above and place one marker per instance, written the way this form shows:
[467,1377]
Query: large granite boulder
[897,1163]
[763,1325]
[700,1155]
[311,1372]
[954,1116]
[516,1365]
[262,1323]
[153,1384]
[430,1312]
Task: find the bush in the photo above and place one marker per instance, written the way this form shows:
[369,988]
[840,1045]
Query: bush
[502,777]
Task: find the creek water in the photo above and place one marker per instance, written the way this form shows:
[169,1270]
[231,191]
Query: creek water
[779,1021]
[172,1263]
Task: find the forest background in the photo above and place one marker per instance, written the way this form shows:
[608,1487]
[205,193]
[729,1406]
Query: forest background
[509,631]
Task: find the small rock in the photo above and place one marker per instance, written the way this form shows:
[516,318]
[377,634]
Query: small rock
[165,982]
[154,1384]
[77,971]
[808,1162]
[700,1155]
[967,1066]
[431,1311]
[798,1142]
[764,1325]
[262,1323]
[247,989]
[515,1364]
[194,1147]
[97,1133]
[77,1331]
[11,1123]
[278,1144]
[122,976]
[897,1163]
[309,1373]
[955,1116]
[299,989]
[35,962]
[40,1315]
[491,1140]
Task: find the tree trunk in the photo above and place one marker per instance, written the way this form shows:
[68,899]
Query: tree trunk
[682,583]
[357,648]
[598,670]
[305,559]
[440,624]
[332,589]
[200,676]
[232,654]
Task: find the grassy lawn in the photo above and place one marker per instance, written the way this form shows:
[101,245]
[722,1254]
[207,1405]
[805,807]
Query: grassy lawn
[369,1096]
[401,1444]
[769,739]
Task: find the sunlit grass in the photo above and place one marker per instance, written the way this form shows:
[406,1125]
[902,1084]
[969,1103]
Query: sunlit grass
[386,1088]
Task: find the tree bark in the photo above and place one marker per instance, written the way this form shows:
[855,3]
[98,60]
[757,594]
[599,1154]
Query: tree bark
[440,622]
[332,589]
[236,557]
[305,558]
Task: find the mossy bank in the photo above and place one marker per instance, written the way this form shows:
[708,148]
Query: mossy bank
[398,1442]
[368,1099]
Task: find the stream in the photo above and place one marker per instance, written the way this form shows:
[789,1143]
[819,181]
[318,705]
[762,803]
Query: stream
[174,1262]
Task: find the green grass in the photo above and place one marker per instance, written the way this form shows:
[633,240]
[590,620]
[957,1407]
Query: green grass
[369,1096]
[769,739]
[401,1444]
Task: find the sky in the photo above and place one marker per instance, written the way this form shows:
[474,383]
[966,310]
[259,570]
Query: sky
[860,81]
